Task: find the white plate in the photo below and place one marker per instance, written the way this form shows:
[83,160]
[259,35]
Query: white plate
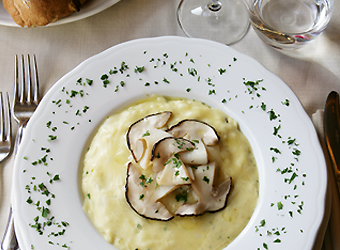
[90,8]
[287,215]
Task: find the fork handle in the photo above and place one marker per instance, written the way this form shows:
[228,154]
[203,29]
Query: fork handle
[9,240]
[19,136]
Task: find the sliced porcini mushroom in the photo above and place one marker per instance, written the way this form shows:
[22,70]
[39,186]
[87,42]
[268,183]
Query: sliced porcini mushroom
[142,198]
[190,172]
[214,154]
[174,173]
[167,149]
[197,156]
[142,135]
[211,198]
[183,156]
[192,129]
[162,191]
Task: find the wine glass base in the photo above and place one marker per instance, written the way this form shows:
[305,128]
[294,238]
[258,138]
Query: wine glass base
[226,25]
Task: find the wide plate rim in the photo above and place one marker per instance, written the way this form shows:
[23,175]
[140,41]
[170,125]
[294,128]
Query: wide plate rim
[299,109]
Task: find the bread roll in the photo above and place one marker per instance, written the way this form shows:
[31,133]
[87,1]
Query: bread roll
[33,13]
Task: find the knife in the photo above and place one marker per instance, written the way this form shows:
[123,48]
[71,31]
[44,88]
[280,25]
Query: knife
[332,142]
[332,133]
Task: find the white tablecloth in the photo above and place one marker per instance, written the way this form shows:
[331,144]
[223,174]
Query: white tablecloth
[311,72]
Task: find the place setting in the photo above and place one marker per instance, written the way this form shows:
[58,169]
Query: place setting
[174,142]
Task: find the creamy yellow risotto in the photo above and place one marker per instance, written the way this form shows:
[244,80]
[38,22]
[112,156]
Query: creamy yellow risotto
[105,174]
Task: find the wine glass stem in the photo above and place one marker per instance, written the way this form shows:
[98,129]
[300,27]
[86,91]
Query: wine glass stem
[215,5]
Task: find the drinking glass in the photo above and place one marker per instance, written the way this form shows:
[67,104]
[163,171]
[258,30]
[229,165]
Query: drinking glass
[289,24]
[224,21]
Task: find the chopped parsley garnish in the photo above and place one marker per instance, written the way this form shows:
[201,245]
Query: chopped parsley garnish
[276,150]
[182,197]
[89,81]
[29,200]
[45,212]
[276,130]
[56,177]
[291,141]
[206,179]
[221,71]
[123,67]
[139,69]
[286,102]
[296,152]
[52,137]
[147,133]
[113,71]
[253,86]
[294,175]
[104,77]
[148,180]
[272,115]
[176,162]
[262,223]
[192,72]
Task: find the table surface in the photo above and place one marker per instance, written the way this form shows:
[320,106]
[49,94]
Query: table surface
[311,72]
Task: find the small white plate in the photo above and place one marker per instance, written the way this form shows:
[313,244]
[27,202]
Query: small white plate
[90,8]
[292,170]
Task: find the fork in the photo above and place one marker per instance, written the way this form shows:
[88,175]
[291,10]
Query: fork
[26,100]
[26,95]
[6,128]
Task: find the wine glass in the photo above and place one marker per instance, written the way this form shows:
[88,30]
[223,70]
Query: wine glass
[224,21]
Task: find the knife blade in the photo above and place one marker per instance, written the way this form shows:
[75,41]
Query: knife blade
[332,143]
[332,133]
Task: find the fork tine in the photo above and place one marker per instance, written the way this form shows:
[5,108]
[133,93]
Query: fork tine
[2,130]
[9,120]
[29,80]
[22,85]
[19,86]
[5,118]
[36,81]
[16,83]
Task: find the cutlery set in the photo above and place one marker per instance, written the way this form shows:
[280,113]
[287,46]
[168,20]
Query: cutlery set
[26,99]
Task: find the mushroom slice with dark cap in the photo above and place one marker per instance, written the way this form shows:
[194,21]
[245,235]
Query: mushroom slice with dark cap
[174,173]
[211,198]
[167,149]
[142,135]
[192,129]
[143,198]
[201,133]
[197,156]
